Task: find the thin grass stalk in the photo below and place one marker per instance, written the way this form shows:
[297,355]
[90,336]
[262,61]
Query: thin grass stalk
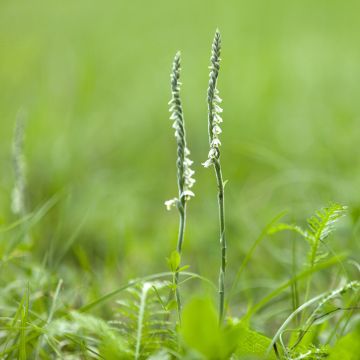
[214,121]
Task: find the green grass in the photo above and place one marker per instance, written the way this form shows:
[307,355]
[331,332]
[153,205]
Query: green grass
[93,82]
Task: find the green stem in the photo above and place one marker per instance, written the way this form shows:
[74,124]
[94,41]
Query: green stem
[308,282]
[182,220]
[221,203]
[182,213]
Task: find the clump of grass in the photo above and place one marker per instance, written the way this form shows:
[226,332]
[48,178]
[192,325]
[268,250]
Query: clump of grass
[214,129]
[316,314]
[185,174]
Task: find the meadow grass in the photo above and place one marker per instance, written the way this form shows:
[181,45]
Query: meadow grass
[57,288]
[43,321]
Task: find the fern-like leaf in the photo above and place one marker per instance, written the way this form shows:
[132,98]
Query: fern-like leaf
[144,320]
[321,225]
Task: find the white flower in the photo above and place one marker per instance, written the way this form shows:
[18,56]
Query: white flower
[217,109]
[215,143]
[170,203]
[187,194]
[217,119]
[207,163]
[212,153]
[216,130]
[173,116]
[188,162]
[188,172]
[189,182]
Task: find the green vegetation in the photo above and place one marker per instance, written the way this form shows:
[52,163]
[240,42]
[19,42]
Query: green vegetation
[88,159]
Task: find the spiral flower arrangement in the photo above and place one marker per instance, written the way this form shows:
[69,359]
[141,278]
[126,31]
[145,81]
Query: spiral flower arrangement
[214,100]
[183,163]
[185,174]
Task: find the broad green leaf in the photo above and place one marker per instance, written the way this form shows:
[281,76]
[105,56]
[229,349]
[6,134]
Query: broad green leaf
[347,348]
[200,331]
[252,345]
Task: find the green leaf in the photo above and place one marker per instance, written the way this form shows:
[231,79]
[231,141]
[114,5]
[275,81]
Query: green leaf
[114,347]
[324,220]
[290,227]
[174,261]
[200,331]
[171,305]
[347,348]
[185,267]
[252,345]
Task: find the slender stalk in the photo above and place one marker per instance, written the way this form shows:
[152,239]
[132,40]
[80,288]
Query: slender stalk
[221,203]
[214,122]
[182,221]
[184,172]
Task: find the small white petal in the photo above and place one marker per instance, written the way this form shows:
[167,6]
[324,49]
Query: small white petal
[173,116]
[190,182]
[217,118]
[187,194]
[217,99]
[170,203]
[207,163]
[218,109]
[212,153]
[216,130]
[188,162]
[215,143]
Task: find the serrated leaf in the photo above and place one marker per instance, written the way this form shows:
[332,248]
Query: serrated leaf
[323,222]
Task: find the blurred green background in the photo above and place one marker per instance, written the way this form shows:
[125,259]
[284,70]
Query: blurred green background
[93,77]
